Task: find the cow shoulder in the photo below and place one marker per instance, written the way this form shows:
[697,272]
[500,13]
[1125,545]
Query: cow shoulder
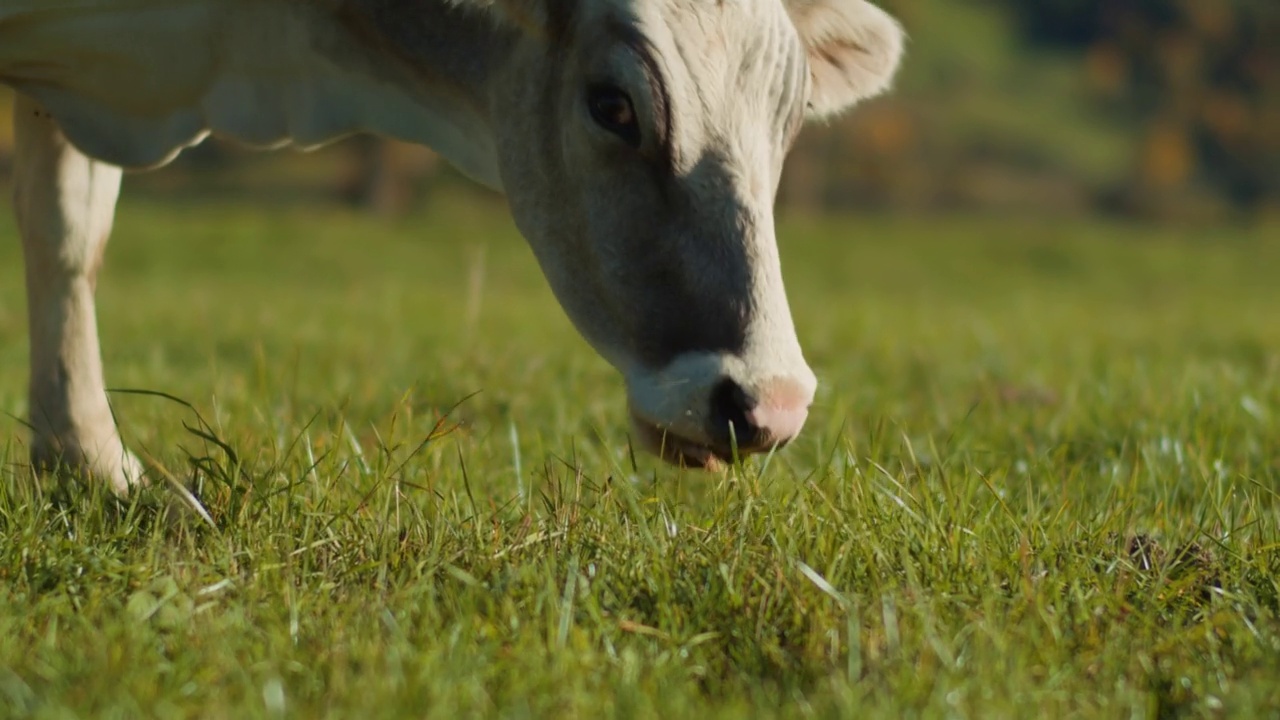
[132,83]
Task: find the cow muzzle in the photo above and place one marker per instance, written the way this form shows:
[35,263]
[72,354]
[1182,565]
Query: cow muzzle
[702,419]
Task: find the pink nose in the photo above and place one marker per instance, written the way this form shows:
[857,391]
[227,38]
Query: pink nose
[781,409]
[773,415]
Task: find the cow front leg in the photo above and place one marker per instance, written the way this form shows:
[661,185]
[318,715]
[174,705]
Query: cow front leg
[65,203]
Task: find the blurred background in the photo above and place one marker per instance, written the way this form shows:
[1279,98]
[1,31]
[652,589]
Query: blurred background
[1161,110]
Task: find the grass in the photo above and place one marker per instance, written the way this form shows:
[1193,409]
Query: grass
[1040,480]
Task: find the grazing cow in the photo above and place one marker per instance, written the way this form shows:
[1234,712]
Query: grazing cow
[640,143]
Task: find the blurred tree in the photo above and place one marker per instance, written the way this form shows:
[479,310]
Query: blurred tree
[1144,107]
[1200,79]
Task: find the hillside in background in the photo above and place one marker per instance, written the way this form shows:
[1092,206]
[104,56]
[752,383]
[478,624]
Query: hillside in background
[976,120]
[1144,108]
[1140,107]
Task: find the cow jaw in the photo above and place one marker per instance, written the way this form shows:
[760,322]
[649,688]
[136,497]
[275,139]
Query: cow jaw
[674,449]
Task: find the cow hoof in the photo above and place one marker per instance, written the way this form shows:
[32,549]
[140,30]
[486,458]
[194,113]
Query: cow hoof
[109,463]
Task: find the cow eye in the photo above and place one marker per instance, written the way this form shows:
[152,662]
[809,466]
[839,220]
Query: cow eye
[612,110]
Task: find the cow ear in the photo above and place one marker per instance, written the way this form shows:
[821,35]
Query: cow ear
[853,46]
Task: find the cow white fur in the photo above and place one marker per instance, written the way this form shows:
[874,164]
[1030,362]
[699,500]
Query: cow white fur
[639,142]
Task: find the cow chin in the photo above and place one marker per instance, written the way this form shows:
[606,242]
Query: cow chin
[673,448]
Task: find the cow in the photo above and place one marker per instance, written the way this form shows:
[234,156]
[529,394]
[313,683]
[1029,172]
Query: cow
[639,143]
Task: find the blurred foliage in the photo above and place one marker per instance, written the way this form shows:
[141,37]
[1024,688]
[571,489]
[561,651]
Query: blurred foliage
[1201,78]
[1147,108]
[1165,108]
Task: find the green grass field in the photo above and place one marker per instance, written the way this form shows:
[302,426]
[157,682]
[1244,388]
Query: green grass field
[1040,480]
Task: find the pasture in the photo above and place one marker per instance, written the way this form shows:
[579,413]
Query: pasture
[1040,479]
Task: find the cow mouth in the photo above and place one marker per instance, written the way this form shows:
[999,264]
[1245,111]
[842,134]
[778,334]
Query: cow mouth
[675,449]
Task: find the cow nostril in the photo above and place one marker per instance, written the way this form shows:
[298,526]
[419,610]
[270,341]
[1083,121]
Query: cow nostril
[730,406]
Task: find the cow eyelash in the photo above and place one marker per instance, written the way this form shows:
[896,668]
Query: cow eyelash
[612,109]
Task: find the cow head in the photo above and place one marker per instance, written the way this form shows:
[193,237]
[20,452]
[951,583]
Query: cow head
[640,143]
